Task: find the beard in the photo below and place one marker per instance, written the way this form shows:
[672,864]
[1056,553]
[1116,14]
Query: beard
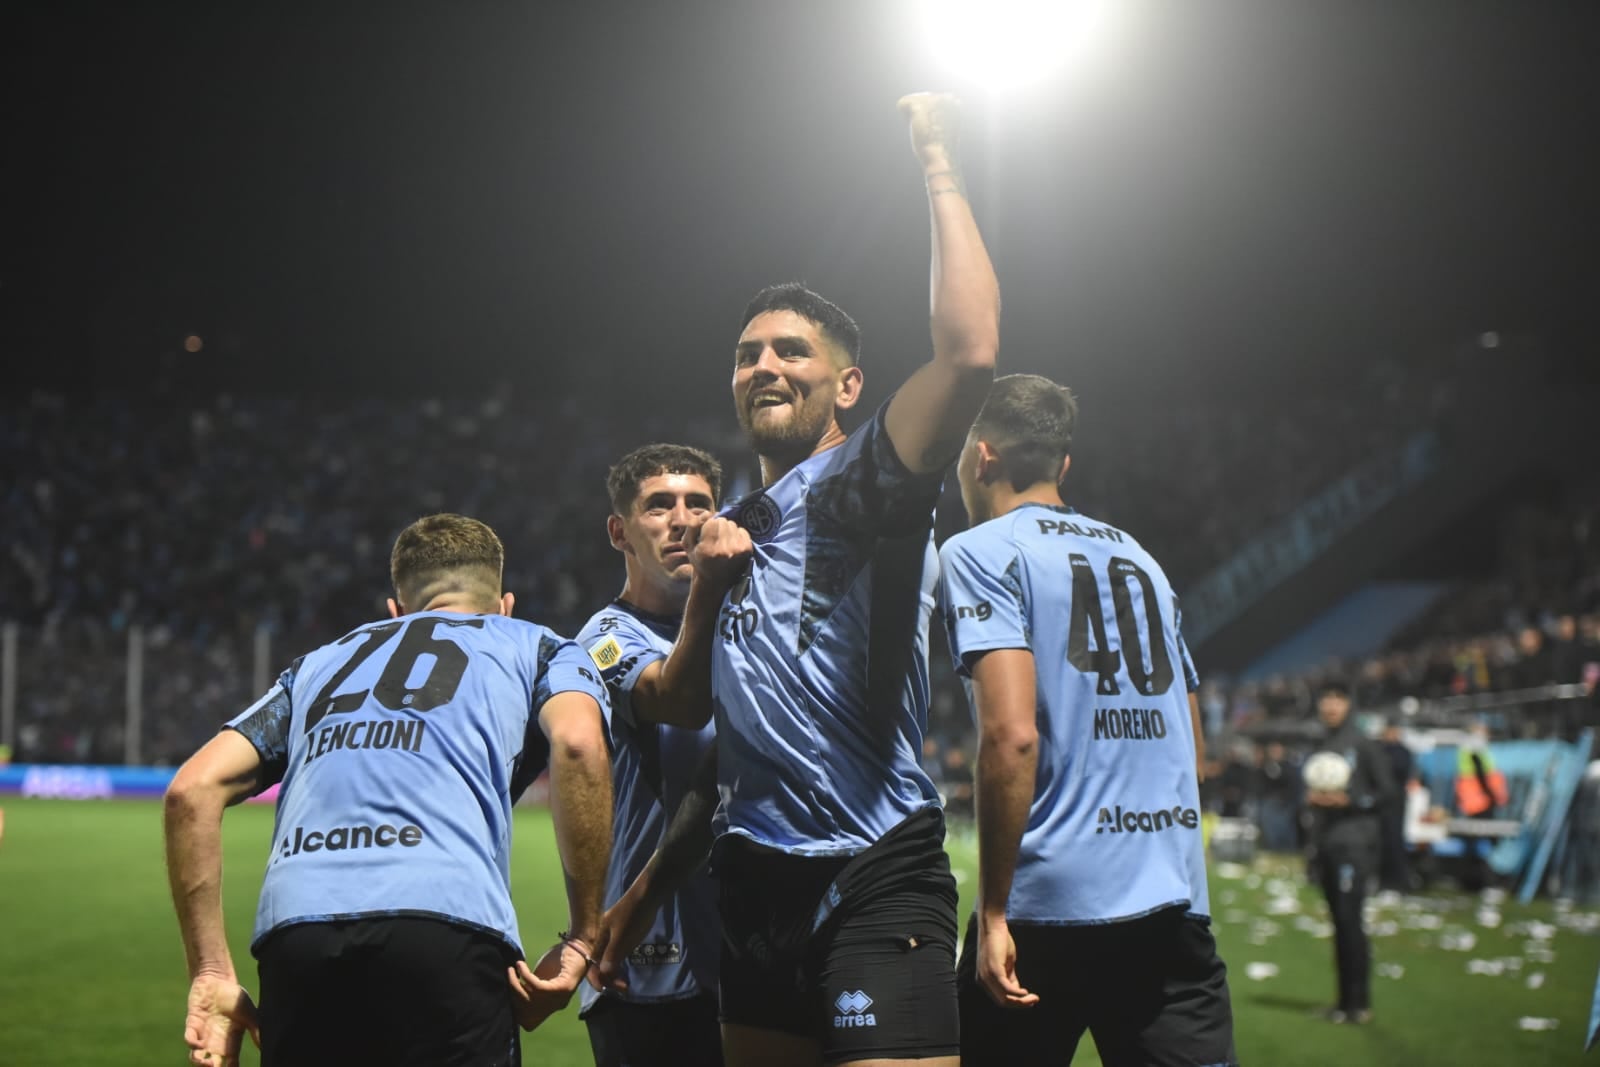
[788,438]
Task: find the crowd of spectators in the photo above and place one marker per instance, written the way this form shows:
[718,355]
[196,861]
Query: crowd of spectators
[203,519]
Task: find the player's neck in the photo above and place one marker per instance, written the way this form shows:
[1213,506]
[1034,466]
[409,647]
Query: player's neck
[775,467]
[649,598]
[461,605]
[1007,499]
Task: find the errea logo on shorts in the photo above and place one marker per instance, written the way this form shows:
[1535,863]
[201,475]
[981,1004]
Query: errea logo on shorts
[853,1011]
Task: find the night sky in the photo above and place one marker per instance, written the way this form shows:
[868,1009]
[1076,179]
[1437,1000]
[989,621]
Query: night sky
[583,196]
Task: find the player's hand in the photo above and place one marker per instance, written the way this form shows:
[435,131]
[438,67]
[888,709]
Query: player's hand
[719,550]
[220,1014]
[623,926]
[544,989]
[997,966]
[935,120]
[1328,798]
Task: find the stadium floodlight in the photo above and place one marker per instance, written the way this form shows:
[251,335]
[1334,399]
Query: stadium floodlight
[1003,44]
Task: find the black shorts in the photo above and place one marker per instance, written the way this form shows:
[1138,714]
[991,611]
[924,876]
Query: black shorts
[1152,991]
[673,1033]
[872,980]
[398,991]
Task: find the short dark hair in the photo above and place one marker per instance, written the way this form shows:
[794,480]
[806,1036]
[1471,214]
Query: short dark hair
[1029,420]
[827,316]
[1334,687]
[624,479]
[446,553]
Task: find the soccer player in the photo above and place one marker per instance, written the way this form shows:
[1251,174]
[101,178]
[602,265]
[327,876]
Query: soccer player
[837,902]
[653,647]
[1092,908]
[1345,841]
[385,930]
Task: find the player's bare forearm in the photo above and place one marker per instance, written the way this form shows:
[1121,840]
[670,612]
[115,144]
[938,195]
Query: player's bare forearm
[682,852]
[225,771]
[1003,685]
[677,691]
[580,804]
[689,836]
[929,416]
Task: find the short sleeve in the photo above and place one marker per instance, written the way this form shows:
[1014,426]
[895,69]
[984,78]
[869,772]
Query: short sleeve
[564,667]
[865,488]
[621,650]
[980,596]
[1191,676]
[265,724]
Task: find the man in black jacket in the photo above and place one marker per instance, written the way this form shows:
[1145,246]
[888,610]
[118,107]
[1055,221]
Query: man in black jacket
[1348,786]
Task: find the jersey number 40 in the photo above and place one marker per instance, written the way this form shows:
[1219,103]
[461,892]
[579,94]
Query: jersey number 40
[1087,619]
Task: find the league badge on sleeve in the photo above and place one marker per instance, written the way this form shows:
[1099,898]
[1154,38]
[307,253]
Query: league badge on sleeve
[606,654]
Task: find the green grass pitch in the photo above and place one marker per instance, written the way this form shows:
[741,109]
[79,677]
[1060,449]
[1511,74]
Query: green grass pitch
[91,970]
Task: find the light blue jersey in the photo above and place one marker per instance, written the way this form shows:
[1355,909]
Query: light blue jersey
[401,748]
[821,667]
[1114,829]
[652,767]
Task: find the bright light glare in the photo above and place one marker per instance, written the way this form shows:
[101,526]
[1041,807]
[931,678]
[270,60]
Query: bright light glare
[1001,44]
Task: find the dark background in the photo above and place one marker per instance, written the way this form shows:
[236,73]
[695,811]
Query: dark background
[580,197]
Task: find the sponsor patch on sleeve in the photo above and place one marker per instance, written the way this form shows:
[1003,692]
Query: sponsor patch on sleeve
[606,654]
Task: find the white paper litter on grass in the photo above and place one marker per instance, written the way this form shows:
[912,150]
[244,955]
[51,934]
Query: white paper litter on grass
[1585,922]
[1231,871]
[1260,972]
[1535,980]
[1488,917]
[1458,942]
[1424,922]
[1390,970]
[1311,926]
[1489,967]
[1283,906]
[1493,896]
[1387,928]
[1530,1022]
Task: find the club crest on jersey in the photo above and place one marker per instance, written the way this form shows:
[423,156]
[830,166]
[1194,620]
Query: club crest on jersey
[606,654]
[760,516]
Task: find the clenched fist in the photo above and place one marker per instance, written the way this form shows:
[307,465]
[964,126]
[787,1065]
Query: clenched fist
[935,127]
[719,550]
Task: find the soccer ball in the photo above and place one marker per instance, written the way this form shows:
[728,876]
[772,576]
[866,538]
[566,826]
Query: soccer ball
[1327,772]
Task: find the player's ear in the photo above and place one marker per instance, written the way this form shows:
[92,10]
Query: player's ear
[850,380]
[1066,464]
[988,461]
[617,533]
[394,609]
[507,602]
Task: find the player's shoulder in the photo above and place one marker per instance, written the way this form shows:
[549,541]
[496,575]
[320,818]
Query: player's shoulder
[980,541]
[625,622]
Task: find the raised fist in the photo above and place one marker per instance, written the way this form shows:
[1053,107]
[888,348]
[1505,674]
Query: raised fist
[719,550]
[935,126]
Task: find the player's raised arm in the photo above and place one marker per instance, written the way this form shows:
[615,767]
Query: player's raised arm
[677,689]
[930,414]
[225,771]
